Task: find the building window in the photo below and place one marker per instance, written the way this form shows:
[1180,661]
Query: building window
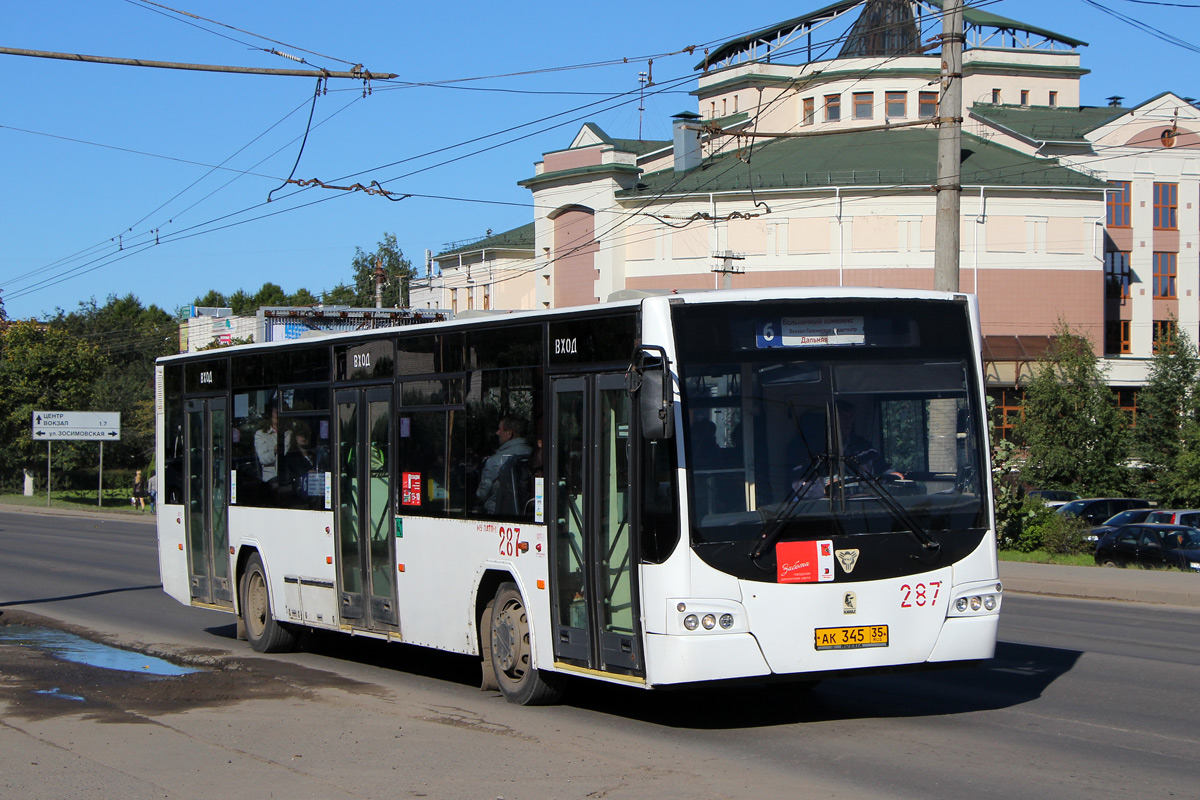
[454,300]
[1024,97]
[927,105]
[1008,408]
[1116,275]
[897,105]
[833,107]
[810,111]
[1116,337]
[1127,398]
[712,110]
[1164,331]
[735,104]
[1166,204]
[724,106]
[864,105]
[1118,204]
[1054,99]
[1164,275]
[996,97]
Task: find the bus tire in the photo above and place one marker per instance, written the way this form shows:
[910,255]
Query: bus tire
[488,682]
[512,658]
[262,631]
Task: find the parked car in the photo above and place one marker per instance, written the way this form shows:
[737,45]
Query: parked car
[1187,516]
[1097,509]
[1150,545]
[1053,497]
[1117,520]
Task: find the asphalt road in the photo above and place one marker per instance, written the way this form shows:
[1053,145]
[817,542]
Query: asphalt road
[1085,699]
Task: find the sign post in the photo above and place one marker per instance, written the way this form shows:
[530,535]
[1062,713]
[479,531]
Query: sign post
[75,425]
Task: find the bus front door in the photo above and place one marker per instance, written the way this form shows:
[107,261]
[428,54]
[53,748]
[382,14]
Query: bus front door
[207,489]
[595,593]
[365,545]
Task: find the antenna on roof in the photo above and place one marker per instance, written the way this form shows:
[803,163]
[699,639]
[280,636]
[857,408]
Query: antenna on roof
[1114,101]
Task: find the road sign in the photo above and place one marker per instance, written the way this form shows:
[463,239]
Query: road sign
[103,426]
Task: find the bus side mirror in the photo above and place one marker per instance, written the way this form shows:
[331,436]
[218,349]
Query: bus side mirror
[650,384]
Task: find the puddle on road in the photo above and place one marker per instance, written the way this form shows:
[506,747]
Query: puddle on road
[69,647]
[56,692]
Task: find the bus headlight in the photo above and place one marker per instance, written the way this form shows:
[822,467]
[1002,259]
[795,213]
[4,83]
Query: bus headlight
[977,600]
[704,616]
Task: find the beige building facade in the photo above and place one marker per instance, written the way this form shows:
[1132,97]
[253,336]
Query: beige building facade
[804,168]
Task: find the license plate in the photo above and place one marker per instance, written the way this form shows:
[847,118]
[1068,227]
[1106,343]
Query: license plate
[851,638]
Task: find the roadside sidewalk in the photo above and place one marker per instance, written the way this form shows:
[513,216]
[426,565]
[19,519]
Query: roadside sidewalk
[1096,583]
[41,511]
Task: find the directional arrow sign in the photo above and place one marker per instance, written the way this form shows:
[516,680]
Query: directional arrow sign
[104,426]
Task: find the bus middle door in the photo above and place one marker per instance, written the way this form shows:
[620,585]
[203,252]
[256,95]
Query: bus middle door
[595,597]
[365,545]
[206,494]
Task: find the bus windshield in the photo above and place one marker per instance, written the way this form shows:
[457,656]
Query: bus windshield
[863,419]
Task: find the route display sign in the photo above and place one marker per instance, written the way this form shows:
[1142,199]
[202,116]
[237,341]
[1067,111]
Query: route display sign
[102,426]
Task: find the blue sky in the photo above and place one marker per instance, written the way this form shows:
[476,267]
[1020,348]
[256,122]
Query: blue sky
[109,183]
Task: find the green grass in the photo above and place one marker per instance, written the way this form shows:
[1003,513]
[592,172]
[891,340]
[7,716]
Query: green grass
[1045,557]
[115,500]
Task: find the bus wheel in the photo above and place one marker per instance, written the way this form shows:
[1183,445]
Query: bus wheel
[262,631]
[512,659]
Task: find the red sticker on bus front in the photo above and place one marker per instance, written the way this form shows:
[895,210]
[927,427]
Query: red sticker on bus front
[410,489]
[804,562]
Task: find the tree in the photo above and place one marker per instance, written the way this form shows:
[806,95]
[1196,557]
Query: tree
[302,297]
[213,299]
[1166,406]
[42,368]
[124,330]
[130,336]
[397,269]
[1075,434]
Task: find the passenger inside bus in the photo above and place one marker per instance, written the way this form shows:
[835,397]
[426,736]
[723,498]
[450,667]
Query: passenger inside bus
[267,445]
[304,464]
[506,480]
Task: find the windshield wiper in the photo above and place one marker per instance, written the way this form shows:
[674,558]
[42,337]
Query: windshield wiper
[774,526]
[931,546]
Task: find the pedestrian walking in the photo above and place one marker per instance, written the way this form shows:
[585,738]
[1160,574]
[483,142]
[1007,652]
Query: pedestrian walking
[140,493]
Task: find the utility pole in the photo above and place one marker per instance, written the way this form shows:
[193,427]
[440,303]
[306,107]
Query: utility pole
[379,279]
[949,165]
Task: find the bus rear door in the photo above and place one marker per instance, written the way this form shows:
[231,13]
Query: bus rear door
[595,593]
[366,547]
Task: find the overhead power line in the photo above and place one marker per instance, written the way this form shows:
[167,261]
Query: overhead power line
[356,74]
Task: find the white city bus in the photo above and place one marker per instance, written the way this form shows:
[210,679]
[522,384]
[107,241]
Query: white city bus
[673,490]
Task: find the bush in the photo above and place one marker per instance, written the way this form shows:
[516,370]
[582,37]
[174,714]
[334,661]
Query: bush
[1026,527]
[1065,535]
[1044,529]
